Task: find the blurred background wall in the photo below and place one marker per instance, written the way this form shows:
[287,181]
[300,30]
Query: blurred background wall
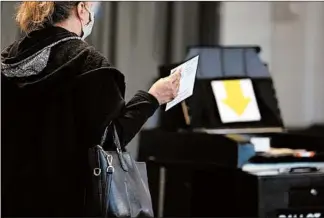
[137,37]
[291,35]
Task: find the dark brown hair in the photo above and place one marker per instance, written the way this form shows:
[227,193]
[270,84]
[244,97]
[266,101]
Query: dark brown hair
[37,14]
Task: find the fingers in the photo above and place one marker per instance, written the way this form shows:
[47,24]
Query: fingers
[175,88]
[176,91]
[175,81]
[174,71]
[171,86]
[176,75]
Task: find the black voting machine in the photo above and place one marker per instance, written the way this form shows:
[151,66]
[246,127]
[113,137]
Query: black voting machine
[194,170]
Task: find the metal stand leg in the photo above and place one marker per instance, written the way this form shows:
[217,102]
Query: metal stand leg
[161,191]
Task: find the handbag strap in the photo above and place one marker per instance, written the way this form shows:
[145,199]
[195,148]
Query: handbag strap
[116,143]
[115,137]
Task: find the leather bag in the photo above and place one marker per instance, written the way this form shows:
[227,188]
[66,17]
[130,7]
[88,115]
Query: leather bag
[119,185]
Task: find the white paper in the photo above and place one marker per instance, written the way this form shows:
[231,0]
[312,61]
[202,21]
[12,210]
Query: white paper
[261,144]
[187,81]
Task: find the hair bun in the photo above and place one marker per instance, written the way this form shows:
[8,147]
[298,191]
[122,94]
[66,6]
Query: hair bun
[32,15]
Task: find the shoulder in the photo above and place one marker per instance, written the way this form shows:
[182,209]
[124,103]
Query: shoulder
[104,82]
[88,67]
[86,55]
[103,74]
[93,62]
[85,60]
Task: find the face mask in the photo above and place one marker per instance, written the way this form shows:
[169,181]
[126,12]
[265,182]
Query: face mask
[86,30]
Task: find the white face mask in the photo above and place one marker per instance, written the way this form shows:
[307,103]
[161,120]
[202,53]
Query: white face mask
[86,30]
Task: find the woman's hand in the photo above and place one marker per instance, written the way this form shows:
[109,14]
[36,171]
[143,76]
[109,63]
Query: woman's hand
[166,89]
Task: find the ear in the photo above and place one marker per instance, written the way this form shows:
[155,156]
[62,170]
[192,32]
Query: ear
[81,11]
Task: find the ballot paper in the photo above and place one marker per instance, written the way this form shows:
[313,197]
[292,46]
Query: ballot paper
[187,81]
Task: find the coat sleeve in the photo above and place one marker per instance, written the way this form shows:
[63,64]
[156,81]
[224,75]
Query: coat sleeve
[100,100]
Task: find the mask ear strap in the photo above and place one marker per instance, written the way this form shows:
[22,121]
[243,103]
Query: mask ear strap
[82,32]
[90,15]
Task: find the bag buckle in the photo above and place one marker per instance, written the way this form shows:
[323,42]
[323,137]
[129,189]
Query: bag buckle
[96,171]
[110,168]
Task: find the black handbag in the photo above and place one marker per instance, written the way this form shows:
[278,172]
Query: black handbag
[119,185]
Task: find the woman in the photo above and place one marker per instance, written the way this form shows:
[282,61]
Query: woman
[58,95]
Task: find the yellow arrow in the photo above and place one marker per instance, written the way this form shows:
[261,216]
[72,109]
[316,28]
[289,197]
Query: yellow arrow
[235,98]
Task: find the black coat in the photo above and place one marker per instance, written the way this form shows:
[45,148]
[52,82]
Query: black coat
[58,94]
